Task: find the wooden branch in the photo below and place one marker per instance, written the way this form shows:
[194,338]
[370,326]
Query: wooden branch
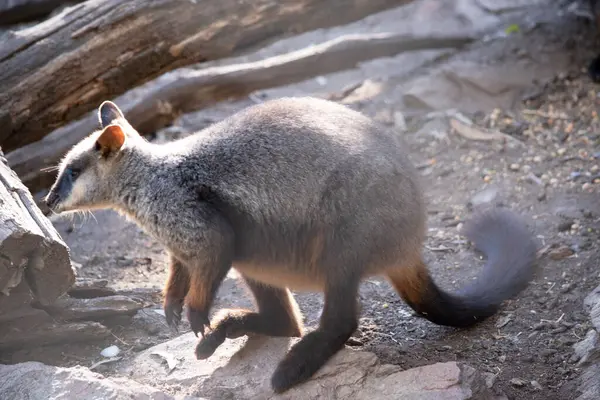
[90,288]
[58,70]
[52,334]
[31,250]
[18,11]
[70,309]
[156,104]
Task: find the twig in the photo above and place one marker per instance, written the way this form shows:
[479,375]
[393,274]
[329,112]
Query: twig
[473,132]
[544,115]
[119,339]
[440,248]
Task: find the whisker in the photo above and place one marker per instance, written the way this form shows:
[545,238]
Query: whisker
[82,220]
[50,169]
[93,216]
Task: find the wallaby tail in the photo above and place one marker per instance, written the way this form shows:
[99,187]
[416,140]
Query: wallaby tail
[511,257]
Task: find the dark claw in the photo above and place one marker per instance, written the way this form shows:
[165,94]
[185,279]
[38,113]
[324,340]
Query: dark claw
[198,321]
[209,343]
[172,308]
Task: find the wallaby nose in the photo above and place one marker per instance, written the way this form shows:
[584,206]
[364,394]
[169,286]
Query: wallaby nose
[51,199]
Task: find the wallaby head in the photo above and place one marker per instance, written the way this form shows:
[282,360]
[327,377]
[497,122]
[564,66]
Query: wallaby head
[89,170]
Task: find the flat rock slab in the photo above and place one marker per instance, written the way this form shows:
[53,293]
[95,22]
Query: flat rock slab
[36,381]
[474,86]
[241,369]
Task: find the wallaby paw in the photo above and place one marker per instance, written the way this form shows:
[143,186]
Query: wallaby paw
[173,308]
[232,322]
[209,344]
[289,373]
[198,321]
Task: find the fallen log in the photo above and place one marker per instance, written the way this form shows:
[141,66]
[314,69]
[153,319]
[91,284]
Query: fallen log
[154,105]
[58,70]
[52,334]
[97,308]
[90,288]
[31,251]
[19,11]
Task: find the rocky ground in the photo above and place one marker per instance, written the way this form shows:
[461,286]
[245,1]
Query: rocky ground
[511,121]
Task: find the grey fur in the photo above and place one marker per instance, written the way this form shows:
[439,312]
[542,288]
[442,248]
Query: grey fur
[295,193]
[286,169]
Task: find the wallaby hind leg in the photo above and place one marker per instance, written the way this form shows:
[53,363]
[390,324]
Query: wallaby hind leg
[338,321]
[176,288]
[277,315]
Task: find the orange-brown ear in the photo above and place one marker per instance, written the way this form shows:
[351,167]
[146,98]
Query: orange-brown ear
[111,140]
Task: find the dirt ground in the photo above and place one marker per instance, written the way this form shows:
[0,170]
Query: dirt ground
[548,170]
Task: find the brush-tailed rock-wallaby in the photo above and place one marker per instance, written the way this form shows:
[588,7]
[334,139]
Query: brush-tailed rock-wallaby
[295,194]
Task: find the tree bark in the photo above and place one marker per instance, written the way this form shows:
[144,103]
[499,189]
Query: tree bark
[97,308]
[52,334]
[152,106]
[32,253]
[58,70]
[18,11]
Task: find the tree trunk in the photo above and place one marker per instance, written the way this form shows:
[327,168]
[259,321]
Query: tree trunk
[34,261]
[152,106]
[58,70]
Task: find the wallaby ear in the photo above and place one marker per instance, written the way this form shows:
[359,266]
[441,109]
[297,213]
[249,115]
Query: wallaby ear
[108,112]
[110,140]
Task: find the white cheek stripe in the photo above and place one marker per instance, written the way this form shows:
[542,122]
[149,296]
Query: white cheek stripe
[77,195]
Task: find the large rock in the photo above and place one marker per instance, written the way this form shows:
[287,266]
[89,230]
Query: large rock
[473,86]
[242,369]
[36,381]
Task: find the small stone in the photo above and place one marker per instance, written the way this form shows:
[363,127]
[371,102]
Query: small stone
[574,359]
[565,225]
[502,358]
[485,196]
[537,159]
[547,352]
[566,288]
[514,167]
[560,329]
[541,195]
[536,385]
[561,151]
[527,358]
[540,326]
[503,321]
[560,253]
[354,342]
[517,382]
[111,351]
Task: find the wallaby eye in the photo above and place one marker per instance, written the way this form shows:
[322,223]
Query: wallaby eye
[74,173]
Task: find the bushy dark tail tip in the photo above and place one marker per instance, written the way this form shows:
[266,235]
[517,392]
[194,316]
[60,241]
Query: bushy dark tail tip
[510,249]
